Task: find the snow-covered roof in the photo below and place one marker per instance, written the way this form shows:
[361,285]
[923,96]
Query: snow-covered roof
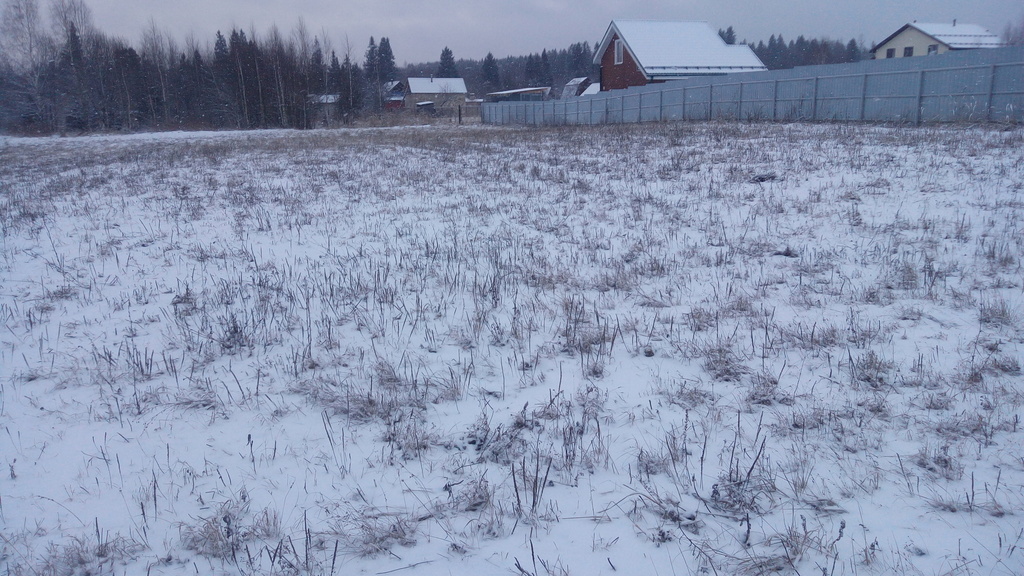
[670,49]
[437,86]
[533,90]
[959,36]
[574,87]
[324,98]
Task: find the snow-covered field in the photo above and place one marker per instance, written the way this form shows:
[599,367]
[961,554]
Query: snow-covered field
[657,349]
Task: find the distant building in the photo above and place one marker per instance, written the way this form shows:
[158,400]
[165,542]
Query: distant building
[641,52]
[533,94]
[324,110]
[445,93]
[575,87]
[394,95]
[923,39]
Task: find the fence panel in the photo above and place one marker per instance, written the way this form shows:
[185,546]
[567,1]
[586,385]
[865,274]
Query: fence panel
[1007,104]
[968,85]
[758,100]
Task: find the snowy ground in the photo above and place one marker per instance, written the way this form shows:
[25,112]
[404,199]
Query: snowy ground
[658,349]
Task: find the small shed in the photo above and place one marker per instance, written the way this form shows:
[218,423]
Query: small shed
[575,87]
[929,39]
[324,109]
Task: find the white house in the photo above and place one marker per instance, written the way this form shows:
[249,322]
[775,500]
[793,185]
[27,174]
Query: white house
[923,39]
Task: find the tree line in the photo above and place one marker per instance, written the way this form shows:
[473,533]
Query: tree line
[777,54]
[73,77]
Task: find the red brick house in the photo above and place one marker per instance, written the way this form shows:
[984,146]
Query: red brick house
[641,52]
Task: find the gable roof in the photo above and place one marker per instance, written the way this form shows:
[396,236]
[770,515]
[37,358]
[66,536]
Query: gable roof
[437,86]
[666,50]
[956,36]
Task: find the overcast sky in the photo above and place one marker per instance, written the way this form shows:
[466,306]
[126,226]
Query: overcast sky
[419,29]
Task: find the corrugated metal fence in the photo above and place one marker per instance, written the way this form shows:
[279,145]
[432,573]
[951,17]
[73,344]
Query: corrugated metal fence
[970,86]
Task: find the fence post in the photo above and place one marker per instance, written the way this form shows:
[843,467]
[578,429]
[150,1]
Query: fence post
[991,91]
[739,112]
[920,95]
[711,100]
[775,98]
[814,100]
[863,96]
[684,104]
[661,105]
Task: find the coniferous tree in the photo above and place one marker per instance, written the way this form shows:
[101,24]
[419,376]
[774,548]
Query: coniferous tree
[222,102]
[334,75]
[317,72]
[544,75]
[63,81]
[386,61]
[581,59]
[352,88]
[853,52]
[531,71]
[371,71]
[130,93]
[728,35]
[490,76]
[447,69]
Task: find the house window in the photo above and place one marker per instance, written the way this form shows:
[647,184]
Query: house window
[618,51]
[908,51]
[890,53]
[933,49]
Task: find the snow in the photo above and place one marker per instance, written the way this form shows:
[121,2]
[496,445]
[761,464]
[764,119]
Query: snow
[960,36]
[676,349]
[437,86]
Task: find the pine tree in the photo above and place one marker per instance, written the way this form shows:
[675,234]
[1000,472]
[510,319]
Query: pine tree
[386,61]
[63,82]
[317,73]
[334,75]
[581,59]
[447,69]
[544,76]
[352,87]
[371,71]
[531,71]
[728,35]
[224,87]
[853,52]
[490,76]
